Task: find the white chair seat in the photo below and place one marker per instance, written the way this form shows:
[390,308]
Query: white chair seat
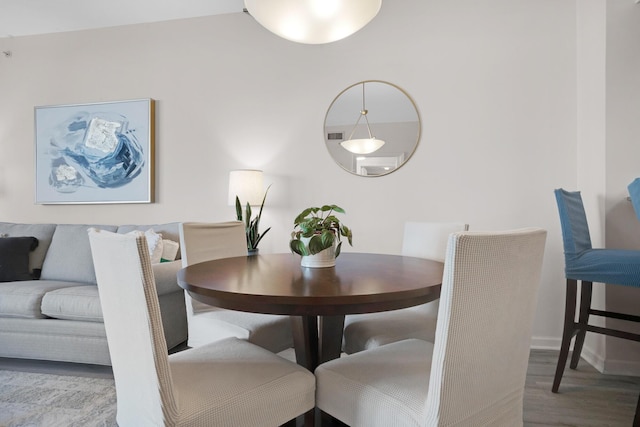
[371,330]
[266,330]
[231,374]
[385,384]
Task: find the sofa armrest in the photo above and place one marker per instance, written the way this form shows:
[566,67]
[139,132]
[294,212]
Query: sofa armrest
[165,274]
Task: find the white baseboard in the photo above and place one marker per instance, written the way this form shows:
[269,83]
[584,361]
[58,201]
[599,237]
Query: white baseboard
[594,359]
[545,343]
[552,343]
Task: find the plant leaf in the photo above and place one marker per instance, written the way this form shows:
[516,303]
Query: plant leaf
[238,209]
[316,244]
[346,232]
[260,236]
[301,216]
[338,249]
[298,247]
[262,205]
[327,237]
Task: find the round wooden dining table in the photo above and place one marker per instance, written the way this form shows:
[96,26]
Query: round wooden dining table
[317,299]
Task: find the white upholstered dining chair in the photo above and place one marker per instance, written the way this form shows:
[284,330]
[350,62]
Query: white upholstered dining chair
[227,383]
[201,242]
[365,331]
[474,374]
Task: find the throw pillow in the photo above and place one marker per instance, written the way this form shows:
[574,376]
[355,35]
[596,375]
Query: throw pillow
[154,242]
[14,258]
[169,250]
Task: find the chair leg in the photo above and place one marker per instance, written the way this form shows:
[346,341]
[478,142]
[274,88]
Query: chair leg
[326,420]
[636,419]
[567,333]
[586,291]
[310,417]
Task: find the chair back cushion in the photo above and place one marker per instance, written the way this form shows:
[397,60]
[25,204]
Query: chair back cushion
[634,194]
[483,332]
[429,239]
[202,241]
[573,221]
[134,329]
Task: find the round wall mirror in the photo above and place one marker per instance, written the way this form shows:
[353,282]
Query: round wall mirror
[372,128]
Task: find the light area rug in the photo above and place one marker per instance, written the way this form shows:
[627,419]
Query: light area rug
[46,400]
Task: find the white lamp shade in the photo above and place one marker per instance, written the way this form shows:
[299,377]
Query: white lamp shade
[362,146]
[247,185]
[313,21]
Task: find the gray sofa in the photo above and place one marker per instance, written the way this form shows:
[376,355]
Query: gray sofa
[58,316]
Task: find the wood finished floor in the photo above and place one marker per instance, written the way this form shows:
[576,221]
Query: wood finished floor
[587,398]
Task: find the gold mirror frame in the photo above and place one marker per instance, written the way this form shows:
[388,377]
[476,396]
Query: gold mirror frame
[393,117]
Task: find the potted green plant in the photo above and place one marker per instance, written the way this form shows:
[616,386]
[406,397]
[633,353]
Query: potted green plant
[317,236]
[252,226]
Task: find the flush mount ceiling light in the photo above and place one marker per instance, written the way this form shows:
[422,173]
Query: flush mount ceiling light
[362,145]
[313,21]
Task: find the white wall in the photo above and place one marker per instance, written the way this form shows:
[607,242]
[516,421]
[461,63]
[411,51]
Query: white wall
[495,83]
[592,143]
[622,166]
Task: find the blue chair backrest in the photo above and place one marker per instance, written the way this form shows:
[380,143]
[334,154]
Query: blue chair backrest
[634,193]
[573,221]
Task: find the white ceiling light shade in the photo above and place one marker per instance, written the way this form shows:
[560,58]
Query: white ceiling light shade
[313,21]
[362,145]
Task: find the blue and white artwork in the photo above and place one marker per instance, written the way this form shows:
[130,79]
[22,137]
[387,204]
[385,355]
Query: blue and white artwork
[95,153]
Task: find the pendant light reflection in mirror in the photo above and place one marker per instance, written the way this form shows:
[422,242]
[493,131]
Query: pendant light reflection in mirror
[369,143]
[386,131]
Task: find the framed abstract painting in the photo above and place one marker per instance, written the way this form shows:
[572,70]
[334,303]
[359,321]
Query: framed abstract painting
[95,153]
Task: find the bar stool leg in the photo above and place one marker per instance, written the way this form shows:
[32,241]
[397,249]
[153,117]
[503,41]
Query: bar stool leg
[586,291]
[567,333]
[636,419]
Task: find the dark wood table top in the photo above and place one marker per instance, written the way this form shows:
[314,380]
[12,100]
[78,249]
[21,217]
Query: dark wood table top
[277,284]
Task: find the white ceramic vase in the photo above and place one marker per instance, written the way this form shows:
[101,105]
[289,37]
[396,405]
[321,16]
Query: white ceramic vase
[325,258]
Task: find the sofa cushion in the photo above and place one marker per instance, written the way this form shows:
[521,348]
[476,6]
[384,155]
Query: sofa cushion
[14,258]
[69,256]
[24,299]
[170,231]
[165,276]
[74,303]
[42,232]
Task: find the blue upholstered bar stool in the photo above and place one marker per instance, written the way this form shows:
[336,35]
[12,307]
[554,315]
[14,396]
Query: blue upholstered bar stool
[634,195]
[586,265]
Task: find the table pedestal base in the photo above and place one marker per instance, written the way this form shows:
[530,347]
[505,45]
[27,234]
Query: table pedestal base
[317,339]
